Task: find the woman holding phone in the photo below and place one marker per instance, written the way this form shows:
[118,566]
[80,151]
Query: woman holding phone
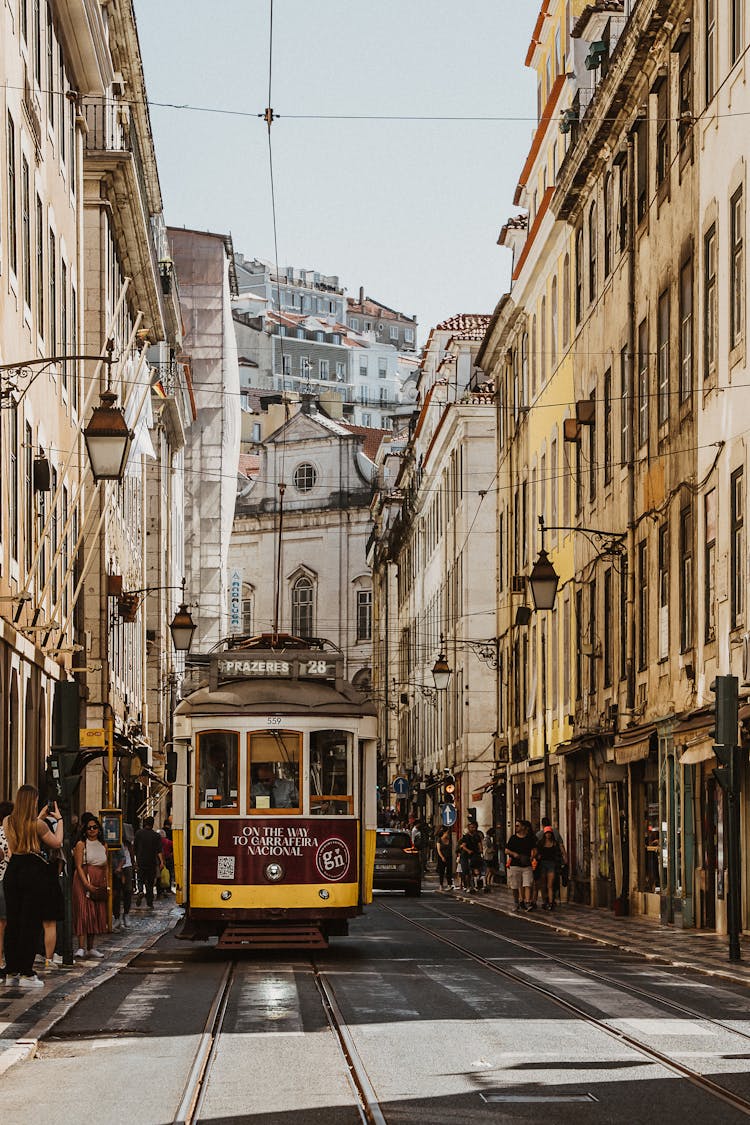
[27,882]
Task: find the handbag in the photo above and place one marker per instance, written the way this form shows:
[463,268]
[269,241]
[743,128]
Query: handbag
[165,879]
[97,893]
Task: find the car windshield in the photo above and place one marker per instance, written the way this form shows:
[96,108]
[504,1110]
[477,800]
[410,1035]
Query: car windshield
[394,840]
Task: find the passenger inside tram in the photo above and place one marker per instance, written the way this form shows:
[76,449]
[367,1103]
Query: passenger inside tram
[274,770]
[269,791]
[218,770]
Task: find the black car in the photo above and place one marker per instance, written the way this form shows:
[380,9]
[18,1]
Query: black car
[397,864]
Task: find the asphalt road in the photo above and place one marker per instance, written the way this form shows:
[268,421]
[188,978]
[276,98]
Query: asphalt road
[441,1035]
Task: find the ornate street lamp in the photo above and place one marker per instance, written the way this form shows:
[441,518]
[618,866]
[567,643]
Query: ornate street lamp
[441,669]
[183,627]
[543,581]
[108,439]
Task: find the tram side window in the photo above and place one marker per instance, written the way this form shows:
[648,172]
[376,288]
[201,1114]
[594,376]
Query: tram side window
[274,771]
[331,786]
[218,769]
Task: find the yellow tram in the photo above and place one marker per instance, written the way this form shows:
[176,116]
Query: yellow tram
[274,807]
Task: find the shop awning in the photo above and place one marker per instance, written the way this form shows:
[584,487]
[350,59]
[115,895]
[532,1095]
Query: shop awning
[634,746]
[697,754]
[478,793]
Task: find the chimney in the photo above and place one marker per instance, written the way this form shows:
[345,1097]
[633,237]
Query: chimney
[307,398]
[361,295]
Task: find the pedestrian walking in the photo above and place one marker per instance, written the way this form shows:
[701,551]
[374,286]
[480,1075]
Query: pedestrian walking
[90,889]
[490,857]
[30,898]
[550,856]
[444,858]
[122,886]
[6,807]
[470,856]
[519,849]
[149,859]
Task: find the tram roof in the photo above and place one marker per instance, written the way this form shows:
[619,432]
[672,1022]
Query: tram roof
[269,696]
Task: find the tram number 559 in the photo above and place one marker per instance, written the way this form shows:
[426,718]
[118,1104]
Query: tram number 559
[273,721]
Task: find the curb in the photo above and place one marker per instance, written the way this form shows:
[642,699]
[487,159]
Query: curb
[26,1046]
[614,943]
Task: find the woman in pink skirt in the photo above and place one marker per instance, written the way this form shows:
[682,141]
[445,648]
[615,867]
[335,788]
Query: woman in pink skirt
[89,913]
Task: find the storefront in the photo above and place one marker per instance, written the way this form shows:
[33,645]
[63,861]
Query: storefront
[637,749]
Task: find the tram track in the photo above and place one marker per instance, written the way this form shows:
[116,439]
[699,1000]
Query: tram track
[675,1066]
[188,1110]
[595,974]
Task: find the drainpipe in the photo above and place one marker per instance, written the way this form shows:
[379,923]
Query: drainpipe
[630,648]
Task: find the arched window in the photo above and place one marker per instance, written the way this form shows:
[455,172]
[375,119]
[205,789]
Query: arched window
[593,241]
[302,607]
[543,343]
[553,323]
[533,356]
[566,302]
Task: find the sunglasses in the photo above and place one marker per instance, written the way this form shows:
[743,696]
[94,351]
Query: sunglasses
[92,827]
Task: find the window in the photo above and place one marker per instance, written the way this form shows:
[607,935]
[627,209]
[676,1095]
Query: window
[534,357]
[579,642]
[302,607]
[607,627]
[686,579]
[525,367]
[543,343]
[608,204]
[305,477]
[331,774]
[642,579]
[409,335]
[566,302]
[553,482]
[622,208]
[363,366]
[325,368]
[663,124]
[393,334]
[663,358]
[625,617]
[593,238]
[710,48]
[382,367]
[61,102]
[738,29]
[64,318]
[248,607]
[592,636]
[50,67]
[710,311]
[592,450]
[663,588]
[37,42]
[286,364]
[607,428]
[354,322]
[24,13]
[364,615]
[686,331]
[737,269]
[643,382]
[685,96]
[641,156]
[737,548]
[28,458]
[341,372]
[553,322]
[12,215]
[26,231]
[13,512]
[304,368]
[274,759]
[52,294]
[626,399]
[579,275]
[40,281]
[709,505]
[300,334]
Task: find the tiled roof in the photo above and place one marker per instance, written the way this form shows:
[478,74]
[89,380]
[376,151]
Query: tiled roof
[249,464]
[464,322]
[373,438]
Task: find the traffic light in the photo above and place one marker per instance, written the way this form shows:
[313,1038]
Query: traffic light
[449,789]
[726,710]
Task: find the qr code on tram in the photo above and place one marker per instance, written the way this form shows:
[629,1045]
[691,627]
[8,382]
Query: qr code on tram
[225,867]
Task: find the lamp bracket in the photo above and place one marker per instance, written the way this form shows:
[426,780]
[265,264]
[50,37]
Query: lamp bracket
[16,378]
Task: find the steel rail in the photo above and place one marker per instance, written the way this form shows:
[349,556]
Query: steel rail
[622,986]
[367,1100]
[195,1086]
[708,1085]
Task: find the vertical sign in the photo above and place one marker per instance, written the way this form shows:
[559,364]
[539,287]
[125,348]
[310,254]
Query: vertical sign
[235,602]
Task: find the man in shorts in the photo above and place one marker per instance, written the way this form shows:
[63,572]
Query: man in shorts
[519,849]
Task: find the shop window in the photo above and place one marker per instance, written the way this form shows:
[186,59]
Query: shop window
[331,773]
[273,771]
[218,770]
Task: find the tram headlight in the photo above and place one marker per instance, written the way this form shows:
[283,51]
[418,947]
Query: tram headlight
[225,896]
[274,872]
[324,894]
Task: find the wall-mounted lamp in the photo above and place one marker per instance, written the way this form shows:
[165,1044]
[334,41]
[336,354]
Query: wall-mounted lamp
[441,669]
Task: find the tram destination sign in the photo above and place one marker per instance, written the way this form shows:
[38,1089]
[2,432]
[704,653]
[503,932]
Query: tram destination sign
[275,665]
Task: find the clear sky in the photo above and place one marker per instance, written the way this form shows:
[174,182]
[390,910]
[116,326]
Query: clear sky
[410,210]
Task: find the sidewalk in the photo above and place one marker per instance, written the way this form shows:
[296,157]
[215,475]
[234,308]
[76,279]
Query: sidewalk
[26,1016]
[701,951]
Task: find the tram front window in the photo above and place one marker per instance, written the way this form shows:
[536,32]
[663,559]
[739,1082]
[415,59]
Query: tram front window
[274,771]
[218,755]
[331,788]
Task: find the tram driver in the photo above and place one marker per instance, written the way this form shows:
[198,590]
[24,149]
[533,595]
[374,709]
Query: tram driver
[271,792]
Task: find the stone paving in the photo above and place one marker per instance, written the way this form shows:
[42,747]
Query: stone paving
[27,1014]
[699,950]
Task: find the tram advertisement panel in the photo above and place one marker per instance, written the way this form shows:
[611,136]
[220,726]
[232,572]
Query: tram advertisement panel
[238,851]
